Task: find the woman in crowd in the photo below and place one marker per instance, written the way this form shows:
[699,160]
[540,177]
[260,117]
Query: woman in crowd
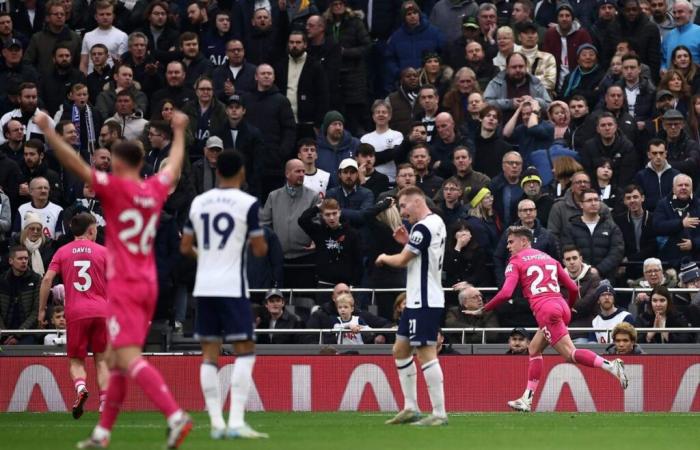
[661,313]
[41,249]
[505,41]
[456,100]
[682,61]
[484,223]
[674,82]
[694,118]
[465,259]
[610,194]
[435,73]
[564,167]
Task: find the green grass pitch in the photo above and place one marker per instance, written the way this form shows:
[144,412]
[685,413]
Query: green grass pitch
[340,431]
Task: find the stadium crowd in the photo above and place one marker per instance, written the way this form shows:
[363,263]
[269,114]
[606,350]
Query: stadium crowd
[576,120]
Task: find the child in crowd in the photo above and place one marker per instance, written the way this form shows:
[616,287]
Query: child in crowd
[345,320]
[58,322]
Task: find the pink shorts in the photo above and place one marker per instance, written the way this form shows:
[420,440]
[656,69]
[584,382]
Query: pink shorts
[552,318]
[84,334]
[130,309]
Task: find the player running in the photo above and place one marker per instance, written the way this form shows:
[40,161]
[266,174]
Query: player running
[539,275]
[425,304]
[132,207]
[82,265]
[224,221]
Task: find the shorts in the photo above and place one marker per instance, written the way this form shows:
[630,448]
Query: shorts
[89,334]
[130,309]
[420,326]
[225,319]
[552,318]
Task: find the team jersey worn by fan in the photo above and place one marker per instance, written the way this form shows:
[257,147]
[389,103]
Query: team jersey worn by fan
[223,220]
[132,210]
[424,282]
[82,264]
[539,275]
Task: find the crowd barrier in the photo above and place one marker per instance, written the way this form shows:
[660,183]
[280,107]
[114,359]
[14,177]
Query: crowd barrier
[658,383]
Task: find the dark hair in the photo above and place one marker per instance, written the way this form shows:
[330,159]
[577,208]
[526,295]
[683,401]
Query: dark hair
[461,147]
[402,166]
[418,123]
[570,248]
[605,115]
[36,144]
[488,108]
[229,163]
[102,46]
[365,149]
[129,152]
[6,125]
[59,46]
[81,222]
[578,98]
[127,93]
[113,126]
[16,249]
[418,146]
[188,36]
[633,56]
[152,6]
[509,57]
[26,85]
[603,160]
[664,292]
[527,4]
[656,142]
[633,187]
[162,126]
[305,142]
[60,126]
[431,87]
[460,225]
[519,231]
[300,33]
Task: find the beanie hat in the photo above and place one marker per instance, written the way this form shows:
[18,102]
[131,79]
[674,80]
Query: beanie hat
[689,272]
[32,217]
[531,174]
[565,5]
[431,55]
[408,5]
[607,2]
[329,118]
[474,197]
[583,47]
[604,288]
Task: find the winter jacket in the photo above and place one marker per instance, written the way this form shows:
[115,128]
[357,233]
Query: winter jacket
[19,297]
[39,53]
[488,154]
[564,210]
[328,56]
[498,186]
[455,318]
[668,226]
[286,321]
[645,102]
[576,37]
[55,87]
[625,126]
[588,87]
[605,35]
[312,94]
[244,81]
[645,39]
[676,320]
[160,49]
[217,121]
[132,125]
[604,249]
[150,82]
[543,66]
[528,139]
[23,72]
[55,184]
[587,304]
[402,111]
[196,68]
[330,156]
[178,94]
[487,233]
[352,204]
[10,179]
[268,270]
[250,142]
[65,112]
[496,93]
[655,185]
[621,152]
[683,154]
[544,241]
[270,112]
[447,16]
[106,101]
[647,241]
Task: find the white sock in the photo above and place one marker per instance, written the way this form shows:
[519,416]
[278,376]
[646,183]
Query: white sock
[175,417]
[409,385]
[209,380]
[434,379]
[100,433]
[608,366]
[241,380]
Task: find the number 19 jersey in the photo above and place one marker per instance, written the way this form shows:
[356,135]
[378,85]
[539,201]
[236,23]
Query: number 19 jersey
[222,221]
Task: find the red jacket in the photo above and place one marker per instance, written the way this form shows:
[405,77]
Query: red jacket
[552,44]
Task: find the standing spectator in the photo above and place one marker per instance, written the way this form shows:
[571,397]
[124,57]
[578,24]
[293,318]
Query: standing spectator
[656,179]
[42,44]
[268,270]
[327,53]
[370,178]
[145,66]
[465,258]
[470,299]
[19,297]
[448,138]
[683,152]
[541,64]
[484,221]
[128,116]
[429,102]
[610,315]
[610,144]
[405,176]
[564,39]
[456,100]
[13,132]
[624,338]
[435,72]
[352,198]
[511,87]
[314,178]
[13,68]
[278,318]
[34,165]
[587,279]
[684,33]
[236,75]
[662,17]
[570,205]
[86,119]
[196,64]
[661,313]
[637,229]
[450,204]
[639,93]
[403,101]
[506,188]
[28,106]
[642,34]
[269,110]
[335,144]
[676,221]
[584,79]
[532,133]
[345,28]
[56,86]
[265,42]
[206,114]
[447,16]
[477,60]
[175,89]
[214,41]
[505,41]
[487,26]
[682,61]
[427,181]
[606,30]
[197,20]
[599,239]
[123,81]
[383,138]
[160,33]
[160,137]
[50,213]
[489,145]
[204,169]
[105,33]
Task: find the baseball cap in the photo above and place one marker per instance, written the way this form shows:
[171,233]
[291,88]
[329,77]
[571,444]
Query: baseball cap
[663,93]
[273,293]
[673,114]
[214,142]
[470,22]
[348,162]
[520,331]
[527,26]
[13,43]
[235,98]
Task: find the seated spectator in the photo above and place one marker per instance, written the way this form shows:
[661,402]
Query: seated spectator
[399,306]
[613,103]
[352,198]
[610,315]
[661,313]
[565,209]
[674,82]
[531,183]
[604,182]
[347,323]
[470,299]
[656,179]
[49,213]
[40,248]
[405,176]
[506,188]
[106,101]
[19,298]
[636,225]
[465,260]
[624,338]
[518,342]
[563,169]
[689,279]
[128,116]
[207,116]
[334,144]
[541,64]
[35,165]
[451,207]
[526,129]
[585,78]
[433,72]
[277,317]
[58,323]
[370,177]
[654,275]
[676,221]
[480,63]
[469,179]
[587,279]
[204,169]
[683,152]
[443,346]
[505,41]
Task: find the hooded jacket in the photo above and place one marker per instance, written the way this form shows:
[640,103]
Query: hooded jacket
[496,92]
[565,209]
[132,125]
[656,185]
[576,37]
[604,249]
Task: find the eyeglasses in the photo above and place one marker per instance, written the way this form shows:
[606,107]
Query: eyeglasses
[527,210]
[581,182]
[513,163]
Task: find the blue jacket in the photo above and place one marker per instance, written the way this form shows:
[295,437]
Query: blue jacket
[688,35]
[655,187]
[668,225]
[497,186]
[539,137]
[406,47]
[329,156]
[352,204]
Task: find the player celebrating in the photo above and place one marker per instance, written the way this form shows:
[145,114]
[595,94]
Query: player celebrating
[132,207]
[82,265]
[539,275]
[425,302]
[224,220]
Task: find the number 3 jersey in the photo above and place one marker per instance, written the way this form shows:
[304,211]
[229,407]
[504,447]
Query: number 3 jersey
[131,210]
[82,265]
[222,220]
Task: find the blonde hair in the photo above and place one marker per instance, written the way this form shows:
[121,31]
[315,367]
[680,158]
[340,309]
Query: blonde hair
[626,328]
[390,217]
[345,299]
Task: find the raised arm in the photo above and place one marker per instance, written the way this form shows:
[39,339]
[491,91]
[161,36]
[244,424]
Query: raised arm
[178,123]
[66,155]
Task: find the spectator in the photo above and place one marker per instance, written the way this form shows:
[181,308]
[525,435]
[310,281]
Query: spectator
[128,116]
[470,299]
[314,178]
[106,101]
[204,169]
[206,114]
[351,197]
[487,26]
[485,223]
[448,138]
[327,54]
[237,75]
[518,342]
[664,102]
[40,248]
[102,72]
[19,297]
[13,148]
[175,89]
[684,33]
[489,146]
[197,20]
[531,133]
[656,179]
[28,102]
[515,85]
[541,64]
[435,73]
[13,68]
[405,177]
[506,188]
[34,165]
[639,92]
[676,221]
[598,238]
[585,78]
[10,174]
[606,30]
[689,302]
[569,206]
[661,313]
[674,82]
[610,315]
[427,181]
[505,41]
[637,229]
[450,204]
[86,119]
[481,65]
[105,33]
[683,152]
[58,323]
[277,317]
[346,320]
[265,41]
[268,270]
[624,337]
[110,134]
[370,178]
[465,259]
[587,279]
[531,183]
[682,61]
[429,102]
[564,39]
[214,41]
[196,64]
[447,16]
[403,101]
[456,100]
[49,212]
[161,34]
[334,144]
[654,275]
[662,17]
[578,105]
[145,66]
[610,193]
[383,138]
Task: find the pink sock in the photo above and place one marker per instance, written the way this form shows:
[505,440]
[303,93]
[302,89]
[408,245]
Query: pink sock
[78,382]
[151,381]
[534,371]
[587,358]
[114,398]
[103,399]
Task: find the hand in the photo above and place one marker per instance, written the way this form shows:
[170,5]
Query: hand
[179,121]
[379,262]
[311,246]
[355,328]
[11,340]
[41,319]
[685,245]
[229,89]
[659,321]
[473,312]
[41,119]
[690,222]
[24,189]
[401,235]
[641,298]
[152,68]
[459,286]
[492,31]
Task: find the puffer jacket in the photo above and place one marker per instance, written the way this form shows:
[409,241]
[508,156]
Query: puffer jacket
[563,210]
[655,185]
[27,295]
[604,249]
[668,225]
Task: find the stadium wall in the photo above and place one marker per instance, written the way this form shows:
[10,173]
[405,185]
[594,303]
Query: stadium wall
[369,383]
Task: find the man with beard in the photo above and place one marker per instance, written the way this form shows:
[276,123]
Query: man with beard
[33,166]
[236,75]
[662,17]
[508,89]
[478,61]
[265,43]
[328,55]
[110,134]
[676,221]
[403,102]
[175,88]
[196,65]
[563,39]
[28,100]
[579,113]
[370,178]
[55,86]
[197,18]
[642,34]
[427,181]
[352,198]
[160,33]
[334,144]
[608,143]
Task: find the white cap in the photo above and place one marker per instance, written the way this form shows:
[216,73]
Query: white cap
[214,142]
[348,162]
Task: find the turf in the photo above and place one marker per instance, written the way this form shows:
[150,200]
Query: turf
[340,431]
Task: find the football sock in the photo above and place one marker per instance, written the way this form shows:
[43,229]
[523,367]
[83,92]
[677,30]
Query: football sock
[209,379]
[115,396]
[152,384]
[79,384]
[409,384]
[587,358]
[241,380]
[534,373]
[434,379]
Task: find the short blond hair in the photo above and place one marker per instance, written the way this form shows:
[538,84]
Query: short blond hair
[345,299]
[626,328]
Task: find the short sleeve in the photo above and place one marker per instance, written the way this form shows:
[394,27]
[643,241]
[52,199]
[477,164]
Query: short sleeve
[55,263]
[254,228]
[419,239]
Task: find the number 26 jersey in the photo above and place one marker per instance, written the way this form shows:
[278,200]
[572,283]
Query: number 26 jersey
[222,220]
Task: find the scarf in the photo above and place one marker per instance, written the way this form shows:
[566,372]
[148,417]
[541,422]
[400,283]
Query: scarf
[575,79]
[35,255]
[209,181]
[89,125]
[680,206]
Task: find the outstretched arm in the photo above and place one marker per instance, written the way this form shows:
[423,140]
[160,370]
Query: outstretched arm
[177,150]
[506,291]
[66,155]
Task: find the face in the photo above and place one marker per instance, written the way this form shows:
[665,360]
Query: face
[331,217]
[15,131]
[235,53]
[308,155]
[462,160]
[296,45]
[532,188]
[167,111]
[657,156]
[12,55]
[345,310]
[520,14]
[505,42]
[512,165]
[527,212]
[681,14]
[295,173]
[156,138]
[675,84]
[102,160]
[212,154]
[412,18]
[349,177]
[70,134]
[409,79]
[623,343]
[98,56]
[475,103]
[665,103]
[338,8]
[658,8]
[616,65]
[406,177]
[138,47]
[158,17]
[124,77]
[381,115]
[32,157]
[578,108]
[174,74]
[262,20]
[336,130]
[366,160]
[579,183]
[5,25]
[275,305]
[428,99]
[106,136]
[473,299]
[418,134]
[34,231]
[682,187]
[653,274]
[409,207]
[517,68]
[630,70]
[445,128]
[432,65]
[451,193]
[573,261]
[339,289]
[466,83]
[587,58]
[518,344]
[314,28]
[39,190]
[607,127]
[673,128]
[633,201]
[606,301]
[475,53]
[604,173]
[516,244]
[558,115]
[631,11]
[205,91]
[486,19]
[591,203]
[58,320]
[104,17]
[607,12]
[62,58]
[490,121]
[565,19]
[190,48]
[265,77]
[28,99]
[659,304]
[223,23]
[528,38]
[194,14]
[125,105]
[56,17]
[20,261]
[420,159]
[235,112]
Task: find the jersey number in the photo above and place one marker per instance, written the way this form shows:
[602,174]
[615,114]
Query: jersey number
[147,232]
[222,224]
[550,287]
[412,326]
[83,274]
